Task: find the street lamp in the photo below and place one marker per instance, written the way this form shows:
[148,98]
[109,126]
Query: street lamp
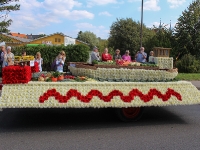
[141,27]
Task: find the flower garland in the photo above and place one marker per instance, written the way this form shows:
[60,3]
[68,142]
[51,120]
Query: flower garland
[126,74]
[86,99]
[98,94]
[16,74]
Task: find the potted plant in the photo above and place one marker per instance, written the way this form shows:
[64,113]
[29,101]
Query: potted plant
[60,77]
[55,76]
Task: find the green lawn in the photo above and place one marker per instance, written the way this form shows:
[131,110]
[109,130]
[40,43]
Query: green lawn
[188,76]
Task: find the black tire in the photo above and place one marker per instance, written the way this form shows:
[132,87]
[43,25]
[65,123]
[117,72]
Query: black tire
[129,114]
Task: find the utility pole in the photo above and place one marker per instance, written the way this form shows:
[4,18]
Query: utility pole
[141,28]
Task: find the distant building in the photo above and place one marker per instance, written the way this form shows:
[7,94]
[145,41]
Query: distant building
[33,37]
[18,35]
[52,39]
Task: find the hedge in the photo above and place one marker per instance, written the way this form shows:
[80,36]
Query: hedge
[74,53]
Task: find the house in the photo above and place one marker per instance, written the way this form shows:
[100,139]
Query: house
[15,40]
[52,39]
[32,37]
[18,35]
[56,39]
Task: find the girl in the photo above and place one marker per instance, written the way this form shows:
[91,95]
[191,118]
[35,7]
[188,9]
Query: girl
[39,60]
[60,60]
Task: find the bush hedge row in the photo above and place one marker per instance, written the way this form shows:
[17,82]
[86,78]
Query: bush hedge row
[74,53]
[188,64]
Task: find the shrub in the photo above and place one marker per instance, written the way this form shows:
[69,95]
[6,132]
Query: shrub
[188,64]
[74,53]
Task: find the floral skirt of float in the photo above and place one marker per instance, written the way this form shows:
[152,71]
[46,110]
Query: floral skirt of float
[98,94]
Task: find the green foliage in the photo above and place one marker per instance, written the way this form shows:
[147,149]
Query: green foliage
[187,30]
[74,53]
[88,37]
[56,74]
[5,9]
[125,35]
[163,38]
[188,64]
[188,76]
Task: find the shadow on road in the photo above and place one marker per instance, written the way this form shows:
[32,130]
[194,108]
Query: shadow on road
[78,119]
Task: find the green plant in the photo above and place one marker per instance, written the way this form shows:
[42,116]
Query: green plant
[74,53]
[188,64]
[56,74]
[94,62]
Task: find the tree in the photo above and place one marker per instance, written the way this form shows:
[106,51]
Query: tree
[88,37]
[5,9]
[163,37]
[187,30]
[125,34]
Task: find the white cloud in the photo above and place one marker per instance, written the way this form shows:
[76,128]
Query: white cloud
[85,25]
[34,14]
[100,31]
[105,13]
[91,3]
[151,5]
[61,4]
[175,3]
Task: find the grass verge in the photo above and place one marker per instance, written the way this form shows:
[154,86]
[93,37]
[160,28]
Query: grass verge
[188,76]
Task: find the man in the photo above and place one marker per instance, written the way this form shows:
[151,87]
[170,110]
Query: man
[141,56]
[95,55]
[2,53]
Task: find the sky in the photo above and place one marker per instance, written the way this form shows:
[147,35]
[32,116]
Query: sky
[71,16]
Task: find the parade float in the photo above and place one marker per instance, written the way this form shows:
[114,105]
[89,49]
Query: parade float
[125,87]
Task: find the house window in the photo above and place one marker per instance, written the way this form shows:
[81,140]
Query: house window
[56,39]
[59,40]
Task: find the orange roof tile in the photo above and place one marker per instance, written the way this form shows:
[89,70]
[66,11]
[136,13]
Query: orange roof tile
[19,35]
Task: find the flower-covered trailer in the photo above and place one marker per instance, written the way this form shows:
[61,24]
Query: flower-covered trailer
[127,89]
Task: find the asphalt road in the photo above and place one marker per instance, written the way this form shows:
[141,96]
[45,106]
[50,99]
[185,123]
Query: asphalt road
[166,128]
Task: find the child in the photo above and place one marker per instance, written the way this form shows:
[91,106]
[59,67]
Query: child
[60,63]
[39,60]
[9,62]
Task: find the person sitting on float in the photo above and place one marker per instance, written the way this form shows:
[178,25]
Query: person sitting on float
[60,61]
[117,55]
[106,56]
[141,56]
[151,57]
[9,62]
[95,55]
[126,56]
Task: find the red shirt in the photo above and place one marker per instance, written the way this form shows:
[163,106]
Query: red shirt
[106,57]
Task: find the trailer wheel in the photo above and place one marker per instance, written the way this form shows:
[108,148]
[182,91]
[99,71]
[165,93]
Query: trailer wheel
[129,114]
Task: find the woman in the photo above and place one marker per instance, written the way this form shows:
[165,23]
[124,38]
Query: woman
[117,55]
[106,56]
[60,61]
[126,56]
[151,57]
[8,54]
[39,60]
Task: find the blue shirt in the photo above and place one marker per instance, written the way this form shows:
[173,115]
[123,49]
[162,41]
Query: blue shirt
[59,65]
[140,57]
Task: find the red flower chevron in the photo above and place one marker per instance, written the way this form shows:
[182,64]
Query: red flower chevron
[107,98]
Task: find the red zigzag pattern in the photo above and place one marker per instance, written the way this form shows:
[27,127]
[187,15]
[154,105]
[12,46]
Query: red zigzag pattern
[87,98]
